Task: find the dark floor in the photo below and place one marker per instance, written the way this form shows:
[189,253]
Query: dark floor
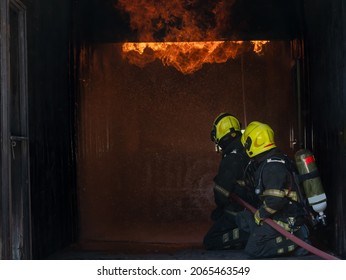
[133,251]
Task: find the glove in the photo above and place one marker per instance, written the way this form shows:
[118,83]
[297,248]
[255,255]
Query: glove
[257,218]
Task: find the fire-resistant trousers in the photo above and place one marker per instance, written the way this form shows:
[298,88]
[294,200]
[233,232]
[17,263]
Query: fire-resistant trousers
[264,241]
[225,234]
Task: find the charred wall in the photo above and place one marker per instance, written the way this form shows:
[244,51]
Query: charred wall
[51,125]
[325,35]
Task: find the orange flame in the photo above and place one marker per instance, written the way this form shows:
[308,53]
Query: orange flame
[258,46]
[187,31]
[186,57]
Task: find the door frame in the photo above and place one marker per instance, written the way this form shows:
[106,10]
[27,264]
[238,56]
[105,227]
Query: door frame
[9,234]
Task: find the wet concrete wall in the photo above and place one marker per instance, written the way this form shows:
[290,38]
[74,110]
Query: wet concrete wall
[145,162]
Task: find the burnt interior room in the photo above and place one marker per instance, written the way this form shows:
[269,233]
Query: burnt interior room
[110,155]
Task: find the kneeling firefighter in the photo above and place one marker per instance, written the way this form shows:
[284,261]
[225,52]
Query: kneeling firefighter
[273,183]
[224,233]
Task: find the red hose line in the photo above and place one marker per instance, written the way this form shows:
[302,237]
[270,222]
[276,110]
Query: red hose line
[290,236]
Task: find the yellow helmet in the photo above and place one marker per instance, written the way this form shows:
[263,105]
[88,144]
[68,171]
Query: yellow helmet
[258,138]
[224,124]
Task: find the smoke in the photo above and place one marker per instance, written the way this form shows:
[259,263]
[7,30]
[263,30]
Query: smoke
[177,20]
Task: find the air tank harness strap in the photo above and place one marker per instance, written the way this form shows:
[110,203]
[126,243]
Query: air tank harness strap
[308,176]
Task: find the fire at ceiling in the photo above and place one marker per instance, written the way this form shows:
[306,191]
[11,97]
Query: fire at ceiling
[182,34]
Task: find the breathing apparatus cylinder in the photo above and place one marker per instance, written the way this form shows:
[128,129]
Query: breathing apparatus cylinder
[307,169]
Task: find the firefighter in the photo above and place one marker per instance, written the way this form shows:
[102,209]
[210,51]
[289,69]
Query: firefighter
[224,233]
[273,183]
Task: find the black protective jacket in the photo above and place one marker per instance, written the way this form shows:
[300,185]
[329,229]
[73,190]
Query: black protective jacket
[275,186]
[231,168]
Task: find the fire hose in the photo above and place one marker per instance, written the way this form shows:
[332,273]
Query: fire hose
[285,233]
